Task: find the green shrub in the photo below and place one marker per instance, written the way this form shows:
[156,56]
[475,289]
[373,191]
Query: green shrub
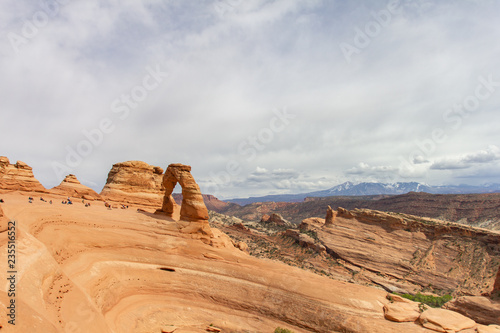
[432,301]
[282,330]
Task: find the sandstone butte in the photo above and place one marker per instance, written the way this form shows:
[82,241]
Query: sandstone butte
[134,182]
[94,269]
[71,187]
[18,177]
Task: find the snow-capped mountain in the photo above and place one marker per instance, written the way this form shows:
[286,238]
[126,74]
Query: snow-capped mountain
[361,189]
[349,188]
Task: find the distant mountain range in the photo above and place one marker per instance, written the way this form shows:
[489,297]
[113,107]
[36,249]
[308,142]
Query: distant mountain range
[363,189]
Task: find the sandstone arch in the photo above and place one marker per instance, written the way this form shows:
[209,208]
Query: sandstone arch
[193,208]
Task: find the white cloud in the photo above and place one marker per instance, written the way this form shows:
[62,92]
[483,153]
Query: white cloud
[491,154]
[228,72]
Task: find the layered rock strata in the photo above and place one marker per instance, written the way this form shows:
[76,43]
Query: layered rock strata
[18,177]
[134,182]
[71,187]
[441,256]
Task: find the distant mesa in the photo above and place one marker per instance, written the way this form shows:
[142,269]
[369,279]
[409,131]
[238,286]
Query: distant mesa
[134,182]
[18,177]
[71,187]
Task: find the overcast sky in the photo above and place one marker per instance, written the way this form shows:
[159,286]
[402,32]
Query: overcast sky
[259,97]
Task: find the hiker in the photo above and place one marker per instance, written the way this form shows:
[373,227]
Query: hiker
[50,202]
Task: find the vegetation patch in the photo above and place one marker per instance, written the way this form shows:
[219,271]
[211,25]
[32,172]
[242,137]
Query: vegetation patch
[282,330]
[432,301]
[311,233]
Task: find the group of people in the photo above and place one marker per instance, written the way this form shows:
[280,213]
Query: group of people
[30,200]
[67,202]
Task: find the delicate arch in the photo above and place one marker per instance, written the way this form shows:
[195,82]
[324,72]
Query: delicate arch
[193,208]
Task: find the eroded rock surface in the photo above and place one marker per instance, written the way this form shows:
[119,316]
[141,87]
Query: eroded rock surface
[18,177]
[447,257]
[482,309]
[445,321]
[192,208]
[71,187]
[134,182]
[124,271]
[401,310]
[275,219]
[330,216]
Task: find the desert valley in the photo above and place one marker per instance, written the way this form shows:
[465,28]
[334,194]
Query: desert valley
[137,258]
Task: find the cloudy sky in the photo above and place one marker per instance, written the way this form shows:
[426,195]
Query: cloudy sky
[259,96]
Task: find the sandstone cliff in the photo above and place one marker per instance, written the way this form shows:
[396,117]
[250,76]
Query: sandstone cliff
[443,257]
[18,177]
[71,187]
[134,182]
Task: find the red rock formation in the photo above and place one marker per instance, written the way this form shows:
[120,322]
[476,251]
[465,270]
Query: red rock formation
[193,208]
[134,182]
[481,309]
[18,177]
[275,219]
[71,187]
[305,240]
[496,286]
[442,320]
[417,251]
[330,216]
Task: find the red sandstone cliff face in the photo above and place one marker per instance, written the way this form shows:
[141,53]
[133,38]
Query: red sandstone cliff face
[18,177]
[134,182]
[442,256]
